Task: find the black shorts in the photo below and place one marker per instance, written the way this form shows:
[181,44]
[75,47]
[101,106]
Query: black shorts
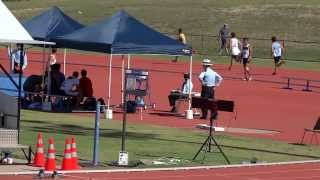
[223,42]
[245,61]
[237,57]
[276,59]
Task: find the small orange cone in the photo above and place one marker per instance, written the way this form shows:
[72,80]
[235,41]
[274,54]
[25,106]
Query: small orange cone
[67,162]
[74,156]
[39,156]
[51,159]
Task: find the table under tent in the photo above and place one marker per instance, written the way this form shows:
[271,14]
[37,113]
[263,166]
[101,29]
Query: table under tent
[123,35]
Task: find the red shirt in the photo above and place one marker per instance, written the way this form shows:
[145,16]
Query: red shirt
[85,86]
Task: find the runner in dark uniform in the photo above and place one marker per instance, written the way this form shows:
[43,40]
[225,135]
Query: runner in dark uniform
[246,58]
[223,38]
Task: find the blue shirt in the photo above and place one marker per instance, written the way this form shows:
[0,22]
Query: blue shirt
[210,78]
[224,33]
[187,87]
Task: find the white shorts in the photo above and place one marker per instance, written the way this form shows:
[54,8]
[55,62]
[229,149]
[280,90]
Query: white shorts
[235,51]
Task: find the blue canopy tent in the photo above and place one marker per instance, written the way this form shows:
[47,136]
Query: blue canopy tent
[122,34]
[50,24]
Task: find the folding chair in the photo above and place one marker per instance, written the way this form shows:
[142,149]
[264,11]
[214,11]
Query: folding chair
[314,130]
[183,104]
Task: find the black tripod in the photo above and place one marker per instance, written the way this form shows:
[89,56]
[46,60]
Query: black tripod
[207,144]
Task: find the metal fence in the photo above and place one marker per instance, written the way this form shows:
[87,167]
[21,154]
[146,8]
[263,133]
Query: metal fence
[208,44]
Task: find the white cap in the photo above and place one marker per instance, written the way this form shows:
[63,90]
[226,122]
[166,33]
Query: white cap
[206,62]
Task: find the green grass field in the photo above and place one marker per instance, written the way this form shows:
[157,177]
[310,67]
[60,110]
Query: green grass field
[293,20]
[148,143]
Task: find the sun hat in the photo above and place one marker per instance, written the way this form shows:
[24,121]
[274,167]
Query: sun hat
[206,62]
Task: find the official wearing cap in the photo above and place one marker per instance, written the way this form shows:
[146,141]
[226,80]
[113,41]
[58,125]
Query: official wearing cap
[209,80]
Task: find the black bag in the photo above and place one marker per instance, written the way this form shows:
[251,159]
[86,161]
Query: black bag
[102,108]
[63,105]
[131,106]
[90,104]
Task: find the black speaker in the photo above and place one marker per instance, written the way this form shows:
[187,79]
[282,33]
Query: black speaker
[225,105]
[220,105]
[201,102]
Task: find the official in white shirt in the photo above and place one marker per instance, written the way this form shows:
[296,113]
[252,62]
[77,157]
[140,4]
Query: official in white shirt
[209,80]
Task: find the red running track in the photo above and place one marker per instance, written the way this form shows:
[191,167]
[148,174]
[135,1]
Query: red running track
[306,171]
[260,104]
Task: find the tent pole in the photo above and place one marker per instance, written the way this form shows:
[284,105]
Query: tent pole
[109,81]
[10,58]
[48,66]
[129,57]
[122,78]
[108,59]
[22,53]
[190,71]
[64,60]
[43,69]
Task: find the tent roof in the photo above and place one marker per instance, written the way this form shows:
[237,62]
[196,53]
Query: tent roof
[30,42]
[122,34]
[51,23]
[11,29]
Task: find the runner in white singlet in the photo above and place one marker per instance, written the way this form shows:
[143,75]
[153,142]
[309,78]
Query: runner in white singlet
[234,45]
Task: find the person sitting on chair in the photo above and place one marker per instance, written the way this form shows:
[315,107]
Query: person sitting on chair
[57,78]
[181,94]
[85,85]
[70,86]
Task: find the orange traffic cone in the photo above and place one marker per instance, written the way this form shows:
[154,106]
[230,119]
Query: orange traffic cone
[74,156]
[51,158]
[39,156]
[67,162]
